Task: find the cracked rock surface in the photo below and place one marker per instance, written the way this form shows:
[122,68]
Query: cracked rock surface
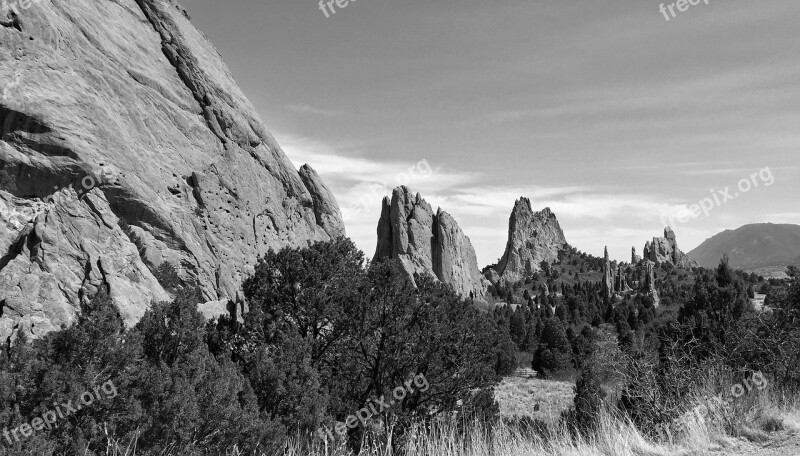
[533,237]
[428,242]
[126,143]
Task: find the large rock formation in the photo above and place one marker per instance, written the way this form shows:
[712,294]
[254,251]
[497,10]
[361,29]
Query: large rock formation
[427,242]
[532,238]
[665,250]
[126,143]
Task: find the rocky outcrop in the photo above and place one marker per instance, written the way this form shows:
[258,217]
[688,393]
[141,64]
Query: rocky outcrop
[427,242]
[624,280]
[532,238]
[665,250]
[326,211]
[649,285]
[608,280]
[635,259]
[621,281]
[126,143]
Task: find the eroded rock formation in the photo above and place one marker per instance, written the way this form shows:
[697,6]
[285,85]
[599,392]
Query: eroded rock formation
[533,237]
[665,250]
[427,242]
[635,259]
[608,280]
[126,143]
[622,279]
[649,285]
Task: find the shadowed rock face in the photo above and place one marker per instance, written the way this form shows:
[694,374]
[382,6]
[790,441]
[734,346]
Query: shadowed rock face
[126,143]
[665,250]
[532,238]
[424,242]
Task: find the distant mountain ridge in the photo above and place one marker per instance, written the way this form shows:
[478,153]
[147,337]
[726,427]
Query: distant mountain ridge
[762,247]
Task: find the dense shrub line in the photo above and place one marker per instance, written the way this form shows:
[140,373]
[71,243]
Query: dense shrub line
[324,335]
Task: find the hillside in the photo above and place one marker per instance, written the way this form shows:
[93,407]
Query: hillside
[759,247]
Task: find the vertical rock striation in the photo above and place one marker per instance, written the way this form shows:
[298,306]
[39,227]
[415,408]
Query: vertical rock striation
[427,242]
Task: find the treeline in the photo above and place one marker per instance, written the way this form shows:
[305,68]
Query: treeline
[323,336]
[553,326]
[546,315]
[642,360]
[716,328]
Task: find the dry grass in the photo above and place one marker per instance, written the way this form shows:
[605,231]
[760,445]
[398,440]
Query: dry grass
[519,397]
[753,418]
[614,437]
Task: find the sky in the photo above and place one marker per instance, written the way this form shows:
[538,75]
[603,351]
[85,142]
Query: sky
[616,118]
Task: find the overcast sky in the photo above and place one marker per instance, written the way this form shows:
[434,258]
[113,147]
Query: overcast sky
[602,110]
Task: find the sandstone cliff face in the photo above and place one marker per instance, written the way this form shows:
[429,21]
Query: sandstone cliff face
[424,242]
[326,211]
[665,250]
[532,238]
[126,143]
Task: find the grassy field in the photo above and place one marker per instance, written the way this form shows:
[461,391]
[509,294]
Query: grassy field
[540,399]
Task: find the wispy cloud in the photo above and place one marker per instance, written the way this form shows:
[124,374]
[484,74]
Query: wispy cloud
[482,211]
[342,166]
[306,109]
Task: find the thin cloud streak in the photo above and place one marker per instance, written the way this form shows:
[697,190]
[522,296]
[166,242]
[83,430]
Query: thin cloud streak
[305,109]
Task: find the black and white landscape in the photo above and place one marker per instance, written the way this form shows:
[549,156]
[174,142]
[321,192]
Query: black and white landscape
[412,228]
